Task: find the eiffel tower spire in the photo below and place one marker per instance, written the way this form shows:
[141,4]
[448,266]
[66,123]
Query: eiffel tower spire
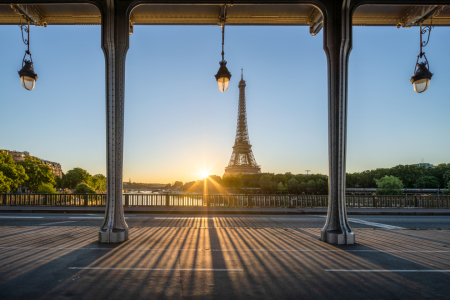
[242,159]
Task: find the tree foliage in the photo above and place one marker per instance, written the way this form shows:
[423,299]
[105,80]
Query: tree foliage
[84,188]
[46,188]
[177,185]
[412,176]
[98,182]
[74,177]
[5,183]
[13,174]
[389,185]
[37,173]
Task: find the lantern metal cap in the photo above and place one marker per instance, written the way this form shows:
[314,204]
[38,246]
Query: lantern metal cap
[223,71]
[28,70]
[422,72]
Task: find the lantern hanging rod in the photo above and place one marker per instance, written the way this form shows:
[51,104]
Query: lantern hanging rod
[424,30]
[222,21]
[28,38]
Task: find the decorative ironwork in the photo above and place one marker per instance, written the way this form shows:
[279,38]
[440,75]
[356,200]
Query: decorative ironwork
[422,74]
[426,28]
[242,159]
[26,40]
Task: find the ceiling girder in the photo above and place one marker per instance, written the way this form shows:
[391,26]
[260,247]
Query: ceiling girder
[417,14]
[30,13]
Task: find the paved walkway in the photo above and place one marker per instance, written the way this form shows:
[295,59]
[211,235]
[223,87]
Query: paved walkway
[222,263]
[230,210]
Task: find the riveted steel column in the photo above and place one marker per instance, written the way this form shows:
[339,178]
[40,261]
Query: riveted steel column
[337,46]
[115,36]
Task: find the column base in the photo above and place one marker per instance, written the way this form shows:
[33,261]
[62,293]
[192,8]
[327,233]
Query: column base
[340,238]
[114,236]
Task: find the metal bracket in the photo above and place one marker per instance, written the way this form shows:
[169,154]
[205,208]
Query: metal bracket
[418,14]
[30,13]
[315,21]
[222,15]
[131,27]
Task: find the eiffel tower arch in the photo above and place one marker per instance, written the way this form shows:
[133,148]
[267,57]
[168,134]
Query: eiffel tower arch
[242,159]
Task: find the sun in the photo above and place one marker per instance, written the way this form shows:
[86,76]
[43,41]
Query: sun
[204,174]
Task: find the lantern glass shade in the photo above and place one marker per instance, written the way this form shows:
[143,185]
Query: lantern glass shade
[421,85]
[223,82]
[223,76]
[421,78]
[27,75]
[28,82]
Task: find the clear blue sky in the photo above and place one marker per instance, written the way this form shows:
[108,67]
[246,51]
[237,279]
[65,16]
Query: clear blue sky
[177,122]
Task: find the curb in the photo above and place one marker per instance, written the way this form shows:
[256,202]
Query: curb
[227,212]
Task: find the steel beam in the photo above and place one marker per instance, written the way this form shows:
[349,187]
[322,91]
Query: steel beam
[416,14]
[115,43]
[337,46]
[30,13]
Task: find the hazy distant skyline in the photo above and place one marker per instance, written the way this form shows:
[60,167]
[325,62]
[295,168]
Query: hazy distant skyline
[177,122]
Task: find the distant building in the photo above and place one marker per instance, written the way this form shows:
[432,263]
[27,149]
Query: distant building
[16,155]
[426,165]
[19,156]
[56,167]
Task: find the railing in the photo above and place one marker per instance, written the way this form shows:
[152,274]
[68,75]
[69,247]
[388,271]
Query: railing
[224,200]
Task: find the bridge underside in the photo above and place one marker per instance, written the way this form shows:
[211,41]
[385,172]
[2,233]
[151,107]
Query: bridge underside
[180,14]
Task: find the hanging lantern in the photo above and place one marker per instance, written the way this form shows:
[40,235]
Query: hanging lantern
[27,75]
[422,75]
[223,75]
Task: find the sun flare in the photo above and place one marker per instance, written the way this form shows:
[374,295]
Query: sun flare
[204,174]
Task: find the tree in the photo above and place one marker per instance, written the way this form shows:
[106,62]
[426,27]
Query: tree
[5,183]
[389,185]
[233,181]
[446,177]
[267,185]
[58,182]
[322,187]
[311,186]
[303,187]
[37,172]
[177,185]
[293,186]
[427,182]
[84,188]
[13,173]
[98,182]
[281,187]
[187,186]
[76,176]
[447,190]
[46,188]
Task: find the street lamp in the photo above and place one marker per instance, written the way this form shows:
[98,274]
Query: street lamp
[223,75]
[27,75]
[422,74]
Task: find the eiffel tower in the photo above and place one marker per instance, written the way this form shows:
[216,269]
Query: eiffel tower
[242,160]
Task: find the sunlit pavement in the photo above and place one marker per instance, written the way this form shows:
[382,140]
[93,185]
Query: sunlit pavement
[225,221]
[217,262]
